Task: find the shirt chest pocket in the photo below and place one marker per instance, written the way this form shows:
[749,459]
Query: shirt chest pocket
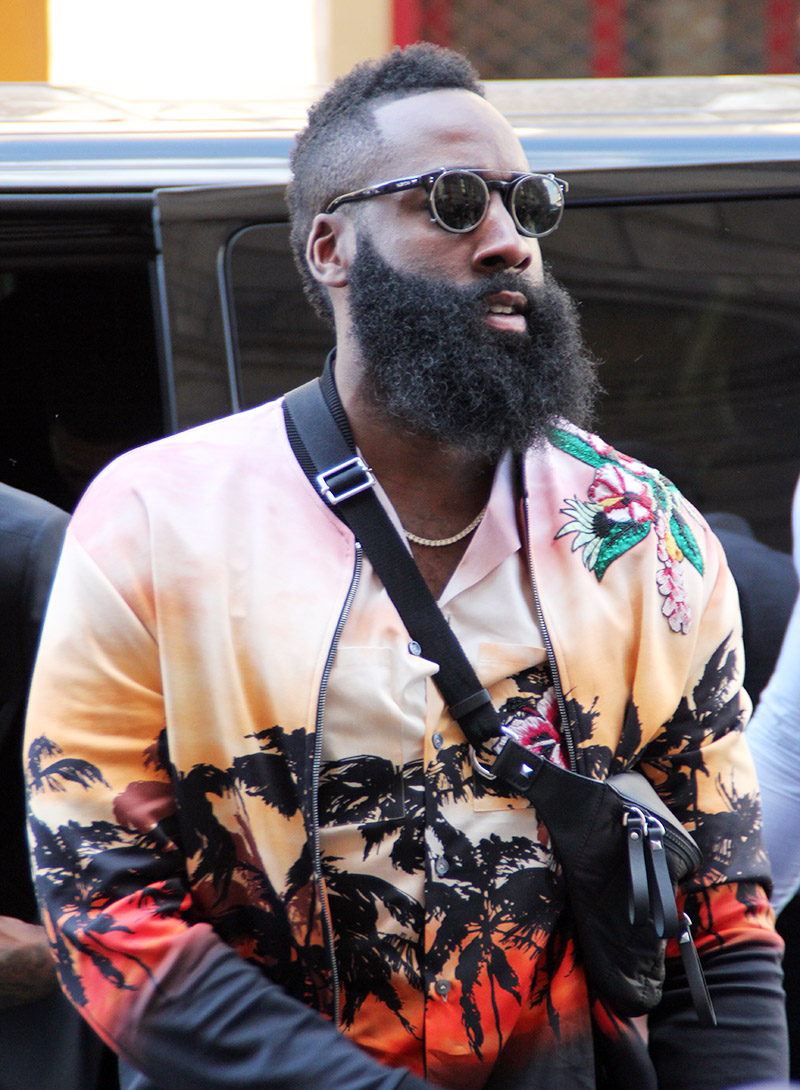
[374,726]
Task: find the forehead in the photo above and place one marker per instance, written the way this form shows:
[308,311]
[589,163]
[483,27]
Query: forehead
[447,128]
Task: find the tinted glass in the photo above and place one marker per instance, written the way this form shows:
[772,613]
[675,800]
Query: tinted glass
[459,200]
[278,340]
[694,308]
[538,204]
[80,371]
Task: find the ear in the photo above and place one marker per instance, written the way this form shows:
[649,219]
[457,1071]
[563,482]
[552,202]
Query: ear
[330,249]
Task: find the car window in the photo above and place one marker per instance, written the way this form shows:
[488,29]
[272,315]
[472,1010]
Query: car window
[278,340]
[694,310]
[80,370]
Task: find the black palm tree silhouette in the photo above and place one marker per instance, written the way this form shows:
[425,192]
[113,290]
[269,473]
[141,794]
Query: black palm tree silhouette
[366,957]
[82,867]
[502,895]
[676,757]
[54,775]
[78,862]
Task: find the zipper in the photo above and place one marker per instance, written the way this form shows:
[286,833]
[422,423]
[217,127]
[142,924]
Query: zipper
[316,853]
[691,858]
[548,646]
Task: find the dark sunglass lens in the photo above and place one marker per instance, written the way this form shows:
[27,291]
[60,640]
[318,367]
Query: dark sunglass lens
[459,200]
[538,204]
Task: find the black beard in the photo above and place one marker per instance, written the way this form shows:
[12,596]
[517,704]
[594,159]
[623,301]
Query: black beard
[436,368]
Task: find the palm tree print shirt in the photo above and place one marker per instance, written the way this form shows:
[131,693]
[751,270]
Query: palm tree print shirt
[215,862]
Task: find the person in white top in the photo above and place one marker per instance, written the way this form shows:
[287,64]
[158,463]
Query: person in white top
[774,738]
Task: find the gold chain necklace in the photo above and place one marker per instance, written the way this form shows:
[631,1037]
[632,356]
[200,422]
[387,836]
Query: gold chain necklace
[434,544]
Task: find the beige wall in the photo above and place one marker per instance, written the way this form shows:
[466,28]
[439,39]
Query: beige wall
[350,31]
[23,40]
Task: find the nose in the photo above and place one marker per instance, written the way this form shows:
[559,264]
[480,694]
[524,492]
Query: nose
[498,243]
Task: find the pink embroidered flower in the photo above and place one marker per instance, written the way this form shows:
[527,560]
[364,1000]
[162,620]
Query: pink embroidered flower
[633,465]
[622,497]
[535,726]
[623,501]
[600,446]
[675,606]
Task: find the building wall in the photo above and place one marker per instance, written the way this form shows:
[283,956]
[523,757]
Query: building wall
[260,48]
[350,31]
[23,40]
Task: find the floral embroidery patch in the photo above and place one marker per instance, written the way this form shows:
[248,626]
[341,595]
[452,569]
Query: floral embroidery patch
[532,719]
[625,500]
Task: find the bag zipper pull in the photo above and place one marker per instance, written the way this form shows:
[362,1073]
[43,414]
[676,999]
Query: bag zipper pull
[701,997]
[662,892]
[638,893]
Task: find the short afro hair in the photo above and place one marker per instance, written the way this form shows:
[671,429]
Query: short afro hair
[341,141]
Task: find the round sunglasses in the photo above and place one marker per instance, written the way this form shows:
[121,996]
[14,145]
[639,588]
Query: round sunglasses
[458,198]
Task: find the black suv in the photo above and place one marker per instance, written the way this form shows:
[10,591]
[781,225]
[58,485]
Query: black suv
[146,283]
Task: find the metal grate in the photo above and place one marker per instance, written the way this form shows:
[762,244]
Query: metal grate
[523,39]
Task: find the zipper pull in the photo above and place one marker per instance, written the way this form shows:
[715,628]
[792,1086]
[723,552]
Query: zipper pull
[701,997]
[662,892]
[638,895]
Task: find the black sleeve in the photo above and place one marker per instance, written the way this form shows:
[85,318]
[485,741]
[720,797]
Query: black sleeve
[749,1043]
[216,1034]
[45,547]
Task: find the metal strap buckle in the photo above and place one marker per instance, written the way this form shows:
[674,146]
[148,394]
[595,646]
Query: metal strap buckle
[345,480]
[495,746]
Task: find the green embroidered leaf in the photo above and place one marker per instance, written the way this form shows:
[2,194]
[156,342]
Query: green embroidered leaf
[662,491]
[686,542]
[577,448]
[617,542]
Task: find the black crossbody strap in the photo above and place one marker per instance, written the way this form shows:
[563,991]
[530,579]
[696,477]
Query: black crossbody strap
[321,440]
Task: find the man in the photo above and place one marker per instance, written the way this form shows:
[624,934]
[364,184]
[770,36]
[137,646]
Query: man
[43,1042]
[265,853]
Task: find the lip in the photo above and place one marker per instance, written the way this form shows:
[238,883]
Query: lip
[510,314]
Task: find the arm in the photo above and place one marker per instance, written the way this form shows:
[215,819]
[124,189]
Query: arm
[774,739]
[31,534]
[27,969]
[704,771]
[152,978]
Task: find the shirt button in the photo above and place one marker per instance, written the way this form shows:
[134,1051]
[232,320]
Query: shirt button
[414,648]
[442,988]
[437,740]
[441,866]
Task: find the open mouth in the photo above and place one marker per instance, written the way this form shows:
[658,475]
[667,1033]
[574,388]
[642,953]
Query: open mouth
[506,310]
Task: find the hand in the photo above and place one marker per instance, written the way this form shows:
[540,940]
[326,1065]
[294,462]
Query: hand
[16,933]
[27,969]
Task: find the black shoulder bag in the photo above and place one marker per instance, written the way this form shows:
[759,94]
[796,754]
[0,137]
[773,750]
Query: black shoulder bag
[621,850]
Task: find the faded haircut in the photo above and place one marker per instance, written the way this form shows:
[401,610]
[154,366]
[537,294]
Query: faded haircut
[341,141]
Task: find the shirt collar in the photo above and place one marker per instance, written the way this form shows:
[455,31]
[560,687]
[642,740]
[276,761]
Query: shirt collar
[496,538]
